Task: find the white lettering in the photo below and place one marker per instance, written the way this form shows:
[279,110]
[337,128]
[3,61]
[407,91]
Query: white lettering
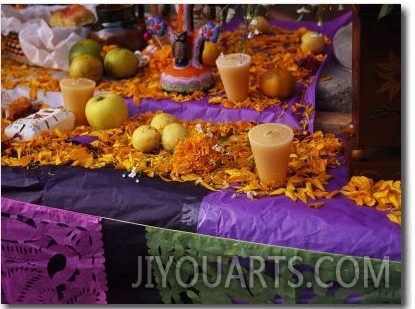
[238,276]
[277,258]
[178,276]
[338,271]
[295,271]
[163,270]
[139,272]
[368,264]
[258,271]
[149,284]
[317,272]
[218,272]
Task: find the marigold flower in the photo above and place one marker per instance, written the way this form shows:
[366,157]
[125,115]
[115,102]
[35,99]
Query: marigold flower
[385,195]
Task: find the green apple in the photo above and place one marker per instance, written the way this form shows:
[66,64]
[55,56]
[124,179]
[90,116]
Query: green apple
[161,120]
[172,134]
[106,111]
[120,63]
[145,138]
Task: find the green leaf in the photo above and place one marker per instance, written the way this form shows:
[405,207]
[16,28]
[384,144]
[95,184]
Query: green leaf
[385,9]
[192,295]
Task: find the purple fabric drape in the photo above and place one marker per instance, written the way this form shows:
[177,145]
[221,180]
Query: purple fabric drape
[50,256]
[340,226]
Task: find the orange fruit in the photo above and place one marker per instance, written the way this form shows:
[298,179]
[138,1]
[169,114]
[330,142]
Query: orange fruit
[85,46]
[259,23]
[211,52]
[313,42]
[277,83]
[87,66]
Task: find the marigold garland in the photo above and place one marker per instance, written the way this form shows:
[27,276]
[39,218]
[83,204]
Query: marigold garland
[214,155]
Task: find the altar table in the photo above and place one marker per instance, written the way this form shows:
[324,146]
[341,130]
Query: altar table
[166,242]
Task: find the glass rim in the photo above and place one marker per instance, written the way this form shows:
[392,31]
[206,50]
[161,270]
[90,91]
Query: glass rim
[246,58]
[80,82]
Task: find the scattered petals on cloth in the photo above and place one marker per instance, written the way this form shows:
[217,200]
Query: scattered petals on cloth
[51,256]
[385,195]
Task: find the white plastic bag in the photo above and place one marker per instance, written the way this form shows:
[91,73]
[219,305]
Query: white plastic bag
[49,47]
[42,45]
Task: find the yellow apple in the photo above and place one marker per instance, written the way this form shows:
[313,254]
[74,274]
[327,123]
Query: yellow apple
[145,138]
[106,111]
[172,133]
[161,120]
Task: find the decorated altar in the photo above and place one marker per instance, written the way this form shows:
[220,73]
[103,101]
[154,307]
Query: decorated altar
[195,225]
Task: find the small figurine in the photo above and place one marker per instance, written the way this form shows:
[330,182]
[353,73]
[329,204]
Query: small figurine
[180,49]
[186,73]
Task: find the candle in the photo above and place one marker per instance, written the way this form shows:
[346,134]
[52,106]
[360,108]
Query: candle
[234,73]
[75,93]
[271,147]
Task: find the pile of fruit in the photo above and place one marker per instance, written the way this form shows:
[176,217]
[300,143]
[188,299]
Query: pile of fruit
[164,128]
[93,60]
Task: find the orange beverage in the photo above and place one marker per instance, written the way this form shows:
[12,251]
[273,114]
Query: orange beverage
[75,93]
[234,73]
[271,147]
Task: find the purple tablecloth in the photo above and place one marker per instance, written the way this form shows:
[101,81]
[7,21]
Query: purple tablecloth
[340,226]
